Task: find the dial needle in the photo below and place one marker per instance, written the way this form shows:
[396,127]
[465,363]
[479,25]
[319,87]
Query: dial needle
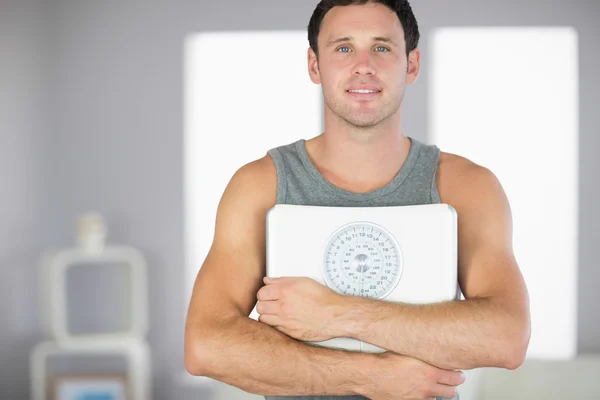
[362,281]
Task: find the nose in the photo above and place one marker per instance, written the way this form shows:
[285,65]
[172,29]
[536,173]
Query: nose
[364,64]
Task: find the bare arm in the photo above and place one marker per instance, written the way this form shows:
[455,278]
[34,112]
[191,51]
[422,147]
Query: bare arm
[221,342]
[491,327]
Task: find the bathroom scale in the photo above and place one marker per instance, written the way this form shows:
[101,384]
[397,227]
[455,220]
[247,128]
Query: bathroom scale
[399,253]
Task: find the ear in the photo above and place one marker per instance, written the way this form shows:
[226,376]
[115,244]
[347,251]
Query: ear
[414,64]
[313,67]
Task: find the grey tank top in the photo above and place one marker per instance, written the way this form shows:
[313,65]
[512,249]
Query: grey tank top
[299,182]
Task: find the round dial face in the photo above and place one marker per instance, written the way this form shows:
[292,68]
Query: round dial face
[362,259]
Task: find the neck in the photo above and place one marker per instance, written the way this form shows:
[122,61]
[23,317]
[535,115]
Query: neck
[359,159]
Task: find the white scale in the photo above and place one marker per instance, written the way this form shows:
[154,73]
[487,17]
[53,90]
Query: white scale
[400,254]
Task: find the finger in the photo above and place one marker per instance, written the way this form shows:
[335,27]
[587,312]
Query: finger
[272,320]
[267,293]
[444,391]
[452,378]
[267,307]
[282,279]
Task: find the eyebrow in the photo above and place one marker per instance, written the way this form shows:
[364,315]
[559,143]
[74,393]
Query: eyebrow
[349,38]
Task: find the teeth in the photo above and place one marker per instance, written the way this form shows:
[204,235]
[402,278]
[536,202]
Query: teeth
[363,91]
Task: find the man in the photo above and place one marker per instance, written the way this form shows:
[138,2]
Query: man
[363,53]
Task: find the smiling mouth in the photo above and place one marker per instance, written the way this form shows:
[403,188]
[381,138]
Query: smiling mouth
[363,91]
[363,94]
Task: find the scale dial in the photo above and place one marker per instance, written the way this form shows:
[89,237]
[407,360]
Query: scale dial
[362,259]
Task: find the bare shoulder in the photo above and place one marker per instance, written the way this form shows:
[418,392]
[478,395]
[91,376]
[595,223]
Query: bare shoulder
[258,177]
[483,210]
[249,195]
[462,182]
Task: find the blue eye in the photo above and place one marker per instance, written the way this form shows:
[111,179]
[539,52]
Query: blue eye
[385,48]
[344,47]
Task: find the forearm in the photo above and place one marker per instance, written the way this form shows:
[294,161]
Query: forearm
[452,335]
[258,359]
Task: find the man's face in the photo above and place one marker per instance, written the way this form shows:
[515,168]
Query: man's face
[362,47]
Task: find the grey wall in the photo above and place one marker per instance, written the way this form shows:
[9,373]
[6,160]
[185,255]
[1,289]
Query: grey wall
[108,136]
[23,157]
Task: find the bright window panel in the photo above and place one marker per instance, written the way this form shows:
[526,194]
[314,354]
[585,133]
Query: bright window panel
[507,98]
[245,93]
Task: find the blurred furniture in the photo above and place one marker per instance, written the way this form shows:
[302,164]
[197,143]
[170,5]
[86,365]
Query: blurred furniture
[128,342]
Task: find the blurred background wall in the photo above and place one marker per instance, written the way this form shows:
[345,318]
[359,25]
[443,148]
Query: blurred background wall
[91,118]
[25,155]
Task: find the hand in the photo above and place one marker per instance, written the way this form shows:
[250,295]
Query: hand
[302,308]
[393,376]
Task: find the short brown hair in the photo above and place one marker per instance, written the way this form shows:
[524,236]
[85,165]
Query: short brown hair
[402,8]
